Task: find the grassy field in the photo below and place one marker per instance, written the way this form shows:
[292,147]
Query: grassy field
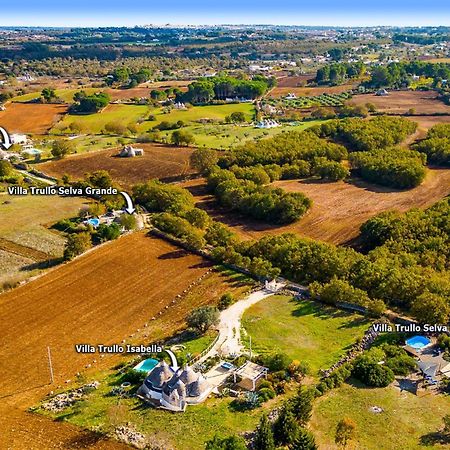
[229,135]
[25,234]
[94,123]
[407,422]
[64,94]
[303,330]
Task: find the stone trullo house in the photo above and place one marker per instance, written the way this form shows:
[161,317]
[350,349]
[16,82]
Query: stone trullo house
[174,390]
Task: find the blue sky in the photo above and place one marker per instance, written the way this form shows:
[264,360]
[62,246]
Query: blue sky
[289,12]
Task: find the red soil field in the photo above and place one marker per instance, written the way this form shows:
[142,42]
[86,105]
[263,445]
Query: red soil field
[296,81]
[338,208]
[281,91]
[144,89]
[158,161]
[101,297]
[30,118]
[399,102]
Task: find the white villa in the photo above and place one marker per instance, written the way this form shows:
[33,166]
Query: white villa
[290,96]
[382,93]
[174,390]
[179,105]
[18,138]
[267,123]
[130,152]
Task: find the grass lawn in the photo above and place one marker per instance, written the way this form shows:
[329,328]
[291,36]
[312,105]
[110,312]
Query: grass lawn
[213,112]
[303,330]
[94,123]
[405,420]
[229,135]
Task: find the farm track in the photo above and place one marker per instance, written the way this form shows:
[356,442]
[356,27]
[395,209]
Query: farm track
[22,250]
[100,297]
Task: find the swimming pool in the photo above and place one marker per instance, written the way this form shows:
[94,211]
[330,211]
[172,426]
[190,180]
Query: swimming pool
[418,342]
[94,222]
[146,365]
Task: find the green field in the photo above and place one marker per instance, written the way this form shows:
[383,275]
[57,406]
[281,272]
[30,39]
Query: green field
[229,135]
[94,123]
[64,94]
[303,330]
[406,418]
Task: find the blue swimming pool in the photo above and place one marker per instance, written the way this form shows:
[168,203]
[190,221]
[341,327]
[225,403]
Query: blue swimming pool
[94,222]
[418,342]
[146,365]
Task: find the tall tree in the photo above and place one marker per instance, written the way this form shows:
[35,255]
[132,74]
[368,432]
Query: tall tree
[345,431]
[264,436]
[305,441]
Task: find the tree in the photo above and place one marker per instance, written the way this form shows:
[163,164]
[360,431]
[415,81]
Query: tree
[345,431]
[227,443]
[203,159]
[77,243]
[198,218]
[116,128]
[302,405]
[285,427]
[108,232]
[6,168]
[61,148]
[446,420]
[203,318]
[128,221]
[226,300]
[48,94]
[182,137]
[236,117]
[431,308]
[304,441]
[264,435]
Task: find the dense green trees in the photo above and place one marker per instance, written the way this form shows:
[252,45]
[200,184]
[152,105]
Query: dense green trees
[226,443]
[285,148]
[263,203]
[182,137]
[204,159]
[396,167]
[93,103]
[205,90]
[77,243]
[366,135]
[338,73]
[159,197]
[437,145]
[368,369]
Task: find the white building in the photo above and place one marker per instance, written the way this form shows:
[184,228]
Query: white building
[130,152]
[290,96]
[18,138]
[267,123]
[174,390]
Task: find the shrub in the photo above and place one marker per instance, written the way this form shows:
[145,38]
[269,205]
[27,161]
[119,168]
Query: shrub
[77,244]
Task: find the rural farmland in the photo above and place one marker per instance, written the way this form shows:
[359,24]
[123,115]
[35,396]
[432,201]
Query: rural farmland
[158,161]
[339,208]
[31,118]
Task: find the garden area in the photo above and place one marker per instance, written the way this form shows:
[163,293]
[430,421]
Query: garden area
[303,330]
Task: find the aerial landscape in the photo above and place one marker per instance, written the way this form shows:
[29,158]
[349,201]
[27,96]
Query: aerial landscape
[225,228]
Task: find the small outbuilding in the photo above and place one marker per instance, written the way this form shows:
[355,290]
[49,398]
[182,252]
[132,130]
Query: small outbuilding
[382,93]
[250,374]
[130,152]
